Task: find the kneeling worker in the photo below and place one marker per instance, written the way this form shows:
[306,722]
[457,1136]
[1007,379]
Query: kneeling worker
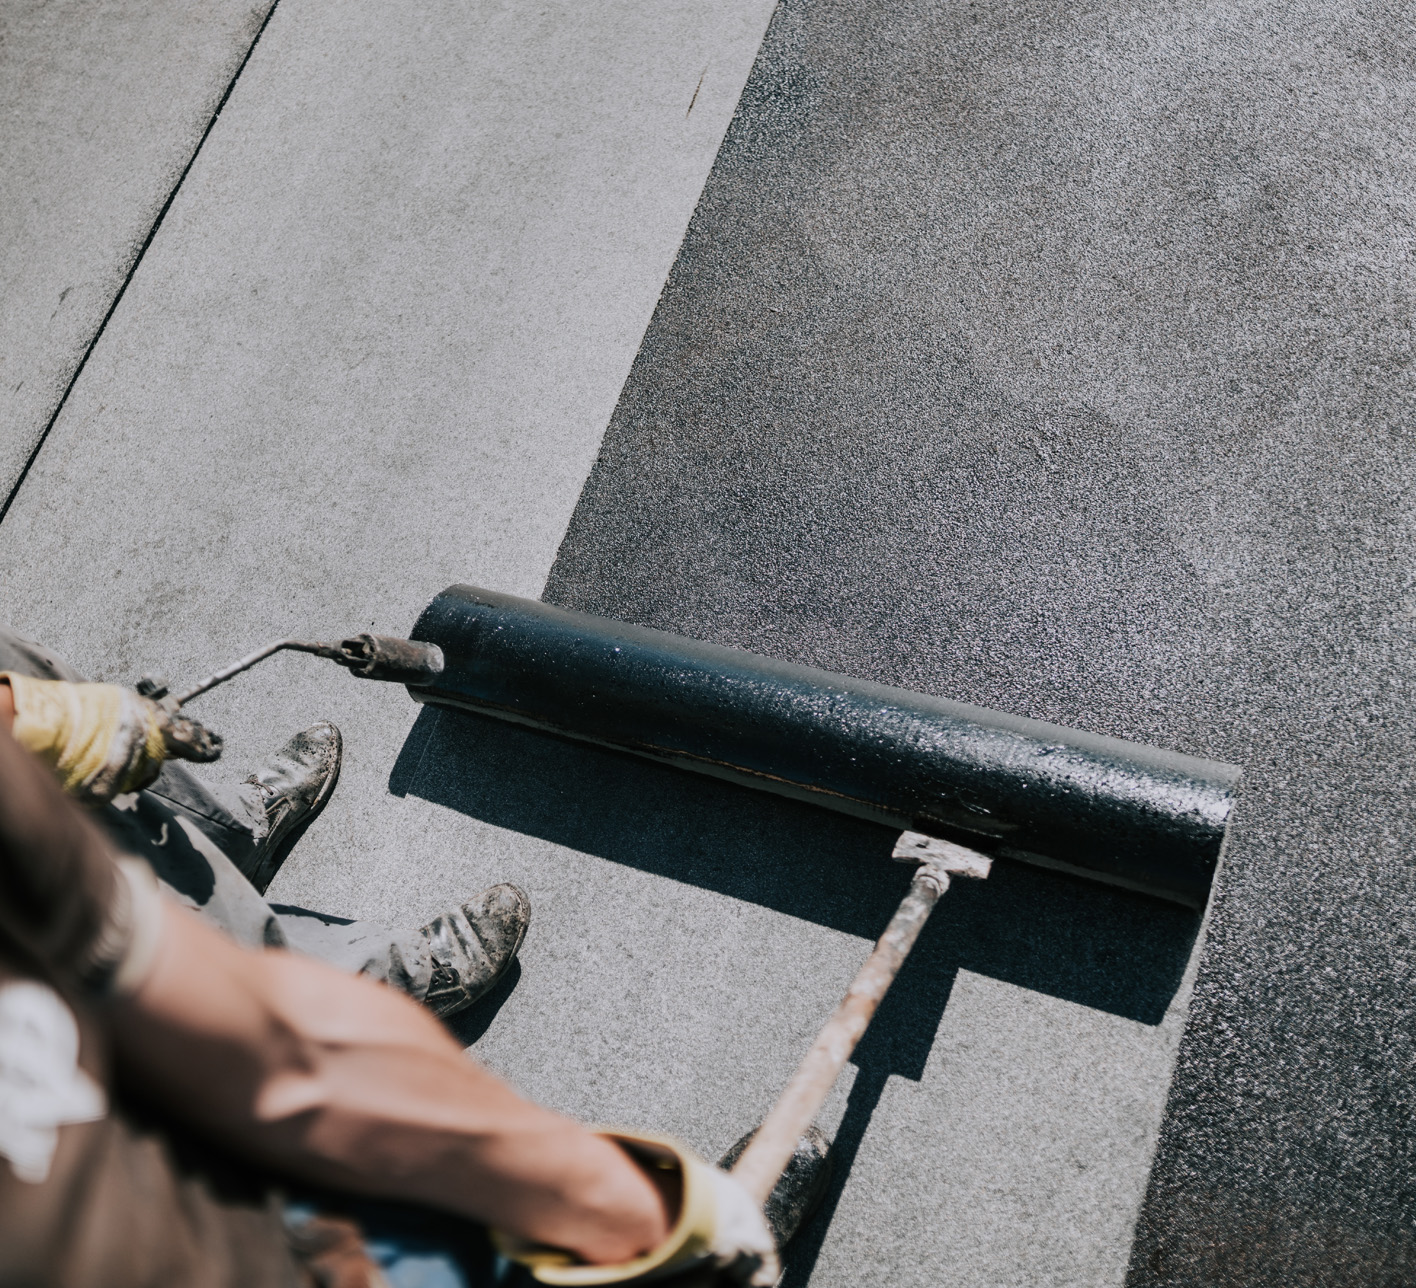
[141,1050]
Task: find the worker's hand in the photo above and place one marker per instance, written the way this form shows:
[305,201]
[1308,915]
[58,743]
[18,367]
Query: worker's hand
[742,1246]
[102,740]
[719,1232]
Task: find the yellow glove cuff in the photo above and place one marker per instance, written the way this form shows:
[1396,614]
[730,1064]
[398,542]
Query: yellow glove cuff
[76,729]
[154,754]
[688,1241]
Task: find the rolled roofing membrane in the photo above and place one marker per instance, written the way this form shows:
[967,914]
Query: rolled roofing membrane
[1111,810]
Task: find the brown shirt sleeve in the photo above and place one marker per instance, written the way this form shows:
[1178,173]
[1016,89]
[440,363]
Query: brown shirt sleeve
[64,906]
[118,1205]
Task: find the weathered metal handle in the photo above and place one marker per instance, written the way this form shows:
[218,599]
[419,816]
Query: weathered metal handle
[386,657]
[372,657]
[766,1157]
[771,1149]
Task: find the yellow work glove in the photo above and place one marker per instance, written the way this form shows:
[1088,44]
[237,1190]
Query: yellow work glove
[720,1227]
[102,740]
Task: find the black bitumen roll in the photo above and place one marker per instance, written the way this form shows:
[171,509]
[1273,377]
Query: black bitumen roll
[1111,810]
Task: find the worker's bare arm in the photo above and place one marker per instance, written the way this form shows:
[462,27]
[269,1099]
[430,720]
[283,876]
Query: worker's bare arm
[345,1082]
[7,706]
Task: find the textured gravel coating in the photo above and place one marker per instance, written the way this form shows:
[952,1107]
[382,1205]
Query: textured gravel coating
[1057,358]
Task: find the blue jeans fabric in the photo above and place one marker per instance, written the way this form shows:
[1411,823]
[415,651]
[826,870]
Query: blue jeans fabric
[416,1247]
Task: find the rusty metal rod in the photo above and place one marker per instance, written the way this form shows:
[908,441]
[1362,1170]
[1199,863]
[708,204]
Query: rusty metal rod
[771,1149]
[372,657]
[245,664]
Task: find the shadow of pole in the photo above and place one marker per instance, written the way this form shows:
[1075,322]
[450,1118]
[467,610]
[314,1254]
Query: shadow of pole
[801,1254]
[897,1042]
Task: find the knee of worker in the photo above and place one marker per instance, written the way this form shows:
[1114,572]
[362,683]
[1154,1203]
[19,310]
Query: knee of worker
[183,793]
[26,657]
[192,868]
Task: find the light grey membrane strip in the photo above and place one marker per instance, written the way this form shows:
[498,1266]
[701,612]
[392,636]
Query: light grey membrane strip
[133,268]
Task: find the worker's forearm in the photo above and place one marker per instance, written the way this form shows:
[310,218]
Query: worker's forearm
[7,706]
[345,1082]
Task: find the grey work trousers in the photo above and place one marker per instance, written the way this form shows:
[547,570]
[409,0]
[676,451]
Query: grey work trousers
[191,839]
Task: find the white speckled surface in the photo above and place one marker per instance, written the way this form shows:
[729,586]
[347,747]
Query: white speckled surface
[102,103]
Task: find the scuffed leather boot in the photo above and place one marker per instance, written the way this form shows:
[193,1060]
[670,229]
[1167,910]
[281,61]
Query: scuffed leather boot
[474,945]
[796,1196]
[286,794]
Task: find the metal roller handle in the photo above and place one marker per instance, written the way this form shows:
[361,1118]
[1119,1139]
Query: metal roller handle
[772,1147]
[371,657]
[773,1144]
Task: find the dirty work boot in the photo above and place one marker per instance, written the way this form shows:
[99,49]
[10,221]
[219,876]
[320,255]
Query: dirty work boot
[286,794]
[795,1198]
[473,945]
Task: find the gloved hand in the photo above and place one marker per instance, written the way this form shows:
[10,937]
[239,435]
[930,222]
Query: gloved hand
[102,740]
[720,1230]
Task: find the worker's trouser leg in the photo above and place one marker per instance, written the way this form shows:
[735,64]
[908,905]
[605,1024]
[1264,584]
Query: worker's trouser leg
[187,834]
[411,1247]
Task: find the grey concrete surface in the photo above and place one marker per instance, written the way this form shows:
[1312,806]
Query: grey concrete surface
[1059,358]
[102,105]
[371,351]
[1049,357]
